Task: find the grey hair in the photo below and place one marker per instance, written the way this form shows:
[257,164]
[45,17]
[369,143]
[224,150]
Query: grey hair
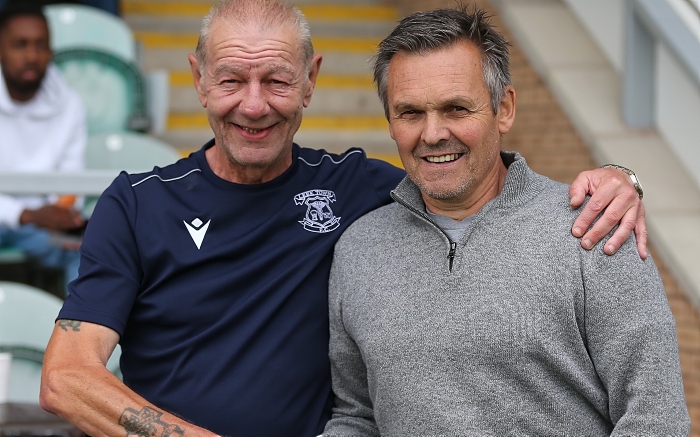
[424,32]
[266,13]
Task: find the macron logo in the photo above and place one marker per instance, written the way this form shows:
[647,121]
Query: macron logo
[197,230]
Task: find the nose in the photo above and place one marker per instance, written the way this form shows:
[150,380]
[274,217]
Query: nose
[254,103]
[435,129]
[31,53]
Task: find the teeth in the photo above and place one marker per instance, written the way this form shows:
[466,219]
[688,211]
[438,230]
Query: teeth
[443,158]
[252,131]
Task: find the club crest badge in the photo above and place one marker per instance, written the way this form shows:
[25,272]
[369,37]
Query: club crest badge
[319,215]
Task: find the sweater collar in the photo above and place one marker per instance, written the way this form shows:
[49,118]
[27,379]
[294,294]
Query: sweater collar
[45,104]
[521,184]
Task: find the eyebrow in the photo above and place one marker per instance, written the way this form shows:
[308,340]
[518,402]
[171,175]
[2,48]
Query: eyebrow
[465,102]
[400,107]
[235,69]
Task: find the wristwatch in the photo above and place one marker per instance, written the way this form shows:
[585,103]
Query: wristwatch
[635,180]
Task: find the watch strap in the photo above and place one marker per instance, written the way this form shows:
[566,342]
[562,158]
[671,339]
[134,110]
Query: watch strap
[633,176]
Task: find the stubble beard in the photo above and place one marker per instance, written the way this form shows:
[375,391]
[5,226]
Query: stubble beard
[449,146]
[24,88]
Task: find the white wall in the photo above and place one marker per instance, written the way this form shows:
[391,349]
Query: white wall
[678,109]
[604,21]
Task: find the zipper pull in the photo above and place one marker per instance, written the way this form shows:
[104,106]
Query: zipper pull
[451,255]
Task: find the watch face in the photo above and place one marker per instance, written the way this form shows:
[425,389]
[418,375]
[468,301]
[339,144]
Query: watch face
[637,185]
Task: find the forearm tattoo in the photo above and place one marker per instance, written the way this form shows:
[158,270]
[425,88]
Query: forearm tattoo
[147,423]
[73,324]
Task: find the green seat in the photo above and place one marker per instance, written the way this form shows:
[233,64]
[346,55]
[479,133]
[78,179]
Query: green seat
[111,88]
[27,316]
[79,26]
[98,54]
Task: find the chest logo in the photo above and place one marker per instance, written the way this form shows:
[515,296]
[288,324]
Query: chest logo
[319,216]
[197,230]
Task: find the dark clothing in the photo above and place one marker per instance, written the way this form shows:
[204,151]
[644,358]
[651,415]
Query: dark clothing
[219,290]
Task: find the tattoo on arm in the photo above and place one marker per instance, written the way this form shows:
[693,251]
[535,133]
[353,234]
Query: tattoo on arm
[73,324]
[148,423]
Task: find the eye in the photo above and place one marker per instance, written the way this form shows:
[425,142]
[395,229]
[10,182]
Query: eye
[278,83]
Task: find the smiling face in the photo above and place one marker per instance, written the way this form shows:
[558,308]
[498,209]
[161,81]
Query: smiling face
[254,87]
[447,135]
[25,55]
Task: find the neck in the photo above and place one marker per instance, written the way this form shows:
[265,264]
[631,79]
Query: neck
[231,171]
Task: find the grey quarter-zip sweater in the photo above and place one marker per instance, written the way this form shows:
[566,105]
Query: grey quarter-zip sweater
[513,330]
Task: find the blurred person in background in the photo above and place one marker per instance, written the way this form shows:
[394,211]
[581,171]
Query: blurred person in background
[42,128]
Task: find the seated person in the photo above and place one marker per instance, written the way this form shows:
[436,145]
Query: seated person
[42,125]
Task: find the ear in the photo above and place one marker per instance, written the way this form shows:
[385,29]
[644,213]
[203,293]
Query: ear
[506,111]
[313,75]
[391,129]
[197,77]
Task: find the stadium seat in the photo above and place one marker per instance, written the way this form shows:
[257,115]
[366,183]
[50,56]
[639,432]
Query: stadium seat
[79,26]
[27,316]
[129,151]
[112,89]
[97,54]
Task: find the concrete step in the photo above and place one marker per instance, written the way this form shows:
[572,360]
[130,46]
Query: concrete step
[323,10]
[319,27]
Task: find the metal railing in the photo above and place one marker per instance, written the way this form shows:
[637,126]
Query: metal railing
[88,182]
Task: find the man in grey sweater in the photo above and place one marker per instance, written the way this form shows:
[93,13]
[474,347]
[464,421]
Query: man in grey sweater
[467,307]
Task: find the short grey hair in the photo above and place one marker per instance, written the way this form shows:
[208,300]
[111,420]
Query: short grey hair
[267,13]
[424,32]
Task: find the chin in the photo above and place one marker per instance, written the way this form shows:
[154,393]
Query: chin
[442,192]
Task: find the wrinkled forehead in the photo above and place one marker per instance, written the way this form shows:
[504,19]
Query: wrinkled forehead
[253,32]
[252,46]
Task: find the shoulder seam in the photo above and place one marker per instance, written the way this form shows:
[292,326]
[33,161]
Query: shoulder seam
[325,155]
[166,180]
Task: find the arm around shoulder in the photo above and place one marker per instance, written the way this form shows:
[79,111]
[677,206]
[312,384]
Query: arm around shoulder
[78,387]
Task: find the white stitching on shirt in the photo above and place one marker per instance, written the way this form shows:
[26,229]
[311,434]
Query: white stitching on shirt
[329,157]
[165,180]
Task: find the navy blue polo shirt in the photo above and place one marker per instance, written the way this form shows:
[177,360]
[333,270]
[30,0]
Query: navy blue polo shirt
[219,290]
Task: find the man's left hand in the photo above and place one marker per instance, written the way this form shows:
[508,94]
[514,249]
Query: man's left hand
[612,194]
